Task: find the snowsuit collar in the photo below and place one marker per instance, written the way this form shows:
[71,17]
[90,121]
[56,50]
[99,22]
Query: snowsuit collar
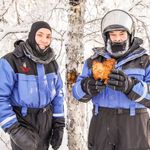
[23,49]
[134,49]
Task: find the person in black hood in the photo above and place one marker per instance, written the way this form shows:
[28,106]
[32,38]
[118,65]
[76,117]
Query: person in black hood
[31,92]
[38,43]
[120,118]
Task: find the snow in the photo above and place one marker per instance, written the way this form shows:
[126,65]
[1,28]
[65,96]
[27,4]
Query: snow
[16,18]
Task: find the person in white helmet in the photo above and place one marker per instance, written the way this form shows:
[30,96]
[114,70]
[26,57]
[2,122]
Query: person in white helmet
[120,119]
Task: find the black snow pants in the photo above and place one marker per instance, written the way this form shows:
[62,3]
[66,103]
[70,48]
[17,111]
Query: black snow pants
[115,129]
[39,119]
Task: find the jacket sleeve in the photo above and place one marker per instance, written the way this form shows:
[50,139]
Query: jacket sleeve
[77,91]
[140,93]
[58,101]
[7,81]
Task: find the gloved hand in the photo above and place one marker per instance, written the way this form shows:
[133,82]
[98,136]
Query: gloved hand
[92,87]
[56,139]
[23,137]
[118,80]
[58,125]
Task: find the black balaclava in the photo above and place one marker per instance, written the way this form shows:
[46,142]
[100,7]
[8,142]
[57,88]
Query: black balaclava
[34,28]
[32,50]
[118,49]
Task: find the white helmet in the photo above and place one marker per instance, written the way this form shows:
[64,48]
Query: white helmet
[117,19]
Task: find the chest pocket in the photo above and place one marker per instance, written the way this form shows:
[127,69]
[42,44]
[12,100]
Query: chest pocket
[137,67]
[26,88]
[136,73]
[51,80]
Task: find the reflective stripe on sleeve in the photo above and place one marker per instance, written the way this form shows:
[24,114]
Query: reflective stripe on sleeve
[58,115]
[144,93]
[7,120]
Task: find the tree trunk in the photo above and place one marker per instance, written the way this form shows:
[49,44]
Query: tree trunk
[76,111]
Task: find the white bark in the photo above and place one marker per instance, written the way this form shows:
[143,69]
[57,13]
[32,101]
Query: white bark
[76,111]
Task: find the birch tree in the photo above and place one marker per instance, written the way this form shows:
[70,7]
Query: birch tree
[76,112]
[76,30]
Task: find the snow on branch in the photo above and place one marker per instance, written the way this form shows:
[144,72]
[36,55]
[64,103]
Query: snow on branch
[7,8]
[11,30]
[144,27]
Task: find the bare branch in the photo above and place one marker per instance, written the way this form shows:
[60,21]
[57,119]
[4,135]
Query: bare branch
[12,30]
[145,28]
[92,33]
[17,12]
[135,5]
[6,144]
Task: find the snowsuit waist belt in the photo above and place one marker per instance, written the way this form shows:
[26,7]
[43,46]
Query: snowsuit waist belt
[118,111]
[25,110]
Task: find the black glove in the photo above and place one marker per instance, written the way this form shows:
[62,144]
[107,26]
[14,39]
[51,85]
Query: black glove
[57,136]
[23,137]
[121,82]
[58,125]
[92,87]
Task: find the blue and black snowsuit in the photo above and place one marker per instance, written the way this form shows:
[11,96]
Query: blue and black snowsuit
[120,121]
[31,94]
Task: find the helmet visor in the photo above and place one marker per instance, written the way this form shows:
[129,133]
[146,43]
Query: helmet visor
[117,20]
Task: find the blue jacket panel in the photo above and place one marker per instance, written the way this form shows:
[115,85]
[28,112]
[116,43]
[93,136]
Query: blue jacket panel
[28,91]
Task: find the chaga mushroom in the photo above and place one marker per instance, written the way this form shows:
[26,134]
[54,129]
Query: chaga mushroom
[101,70]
